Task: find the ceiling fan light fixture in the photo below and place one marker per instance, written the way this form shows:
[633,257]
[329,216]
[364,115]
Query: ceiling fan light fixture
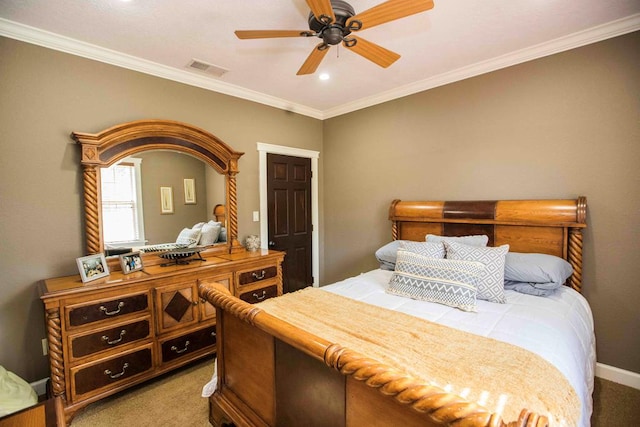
[332,35]
[324,76]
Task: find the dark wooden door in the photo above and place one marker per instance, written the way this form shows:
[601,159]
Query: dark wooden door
[289,216]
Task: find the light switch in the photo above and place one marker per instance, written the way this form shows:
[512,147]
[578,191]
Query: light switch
[256,216]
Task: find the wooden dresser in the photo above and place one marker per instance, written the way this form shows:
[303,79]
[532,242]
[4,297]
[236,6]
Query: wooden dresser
[107,335]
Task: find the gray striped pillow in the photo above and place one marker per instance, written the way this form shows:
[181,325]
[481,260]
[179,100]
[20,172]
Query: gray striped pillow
[448,282]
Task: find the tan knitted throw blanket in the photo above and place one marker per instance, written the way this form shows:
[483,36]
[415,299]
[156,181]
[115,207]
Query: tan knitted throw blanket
[499,376]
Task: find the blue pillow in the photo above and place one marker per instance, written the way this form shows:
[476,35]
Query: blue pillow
[535,274]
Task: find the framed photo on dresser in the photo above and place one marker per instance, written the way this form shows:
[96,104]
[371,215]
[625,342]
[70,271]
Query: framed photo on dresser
[131,262]
[92,267]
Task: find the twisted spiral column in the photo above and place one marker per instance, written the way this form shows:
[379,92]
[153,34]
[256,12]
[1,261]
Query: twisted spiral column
[575,244]
[91,213]
[233,209]
[394,230]
[575,258]
[54,337]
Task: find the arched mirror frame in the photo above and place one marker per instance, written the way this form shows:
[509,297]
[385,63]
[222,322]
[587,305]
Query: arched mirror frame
[109,146]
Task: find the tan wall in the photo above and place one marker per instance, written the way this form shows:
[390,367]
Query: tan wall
[44,96]
[558,127]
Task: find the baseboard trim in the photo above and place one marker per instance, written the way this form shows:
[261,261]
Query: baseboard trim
[40,386]
[617,375]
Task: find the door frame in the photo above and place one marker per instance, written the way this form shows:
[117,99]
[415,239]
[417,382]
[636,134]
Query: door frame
[263,150]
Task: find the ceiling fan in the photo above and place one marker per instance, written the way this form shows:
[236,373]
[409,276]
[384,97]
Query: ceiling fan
[334,21]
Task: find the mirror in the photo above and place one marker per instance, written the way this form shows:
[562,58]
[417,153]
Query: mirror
[143,138]
[131,199]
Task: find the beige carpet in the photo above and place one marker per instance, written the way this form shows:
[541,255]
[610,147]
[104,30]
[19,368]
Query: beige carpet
[615,405]
[170,400]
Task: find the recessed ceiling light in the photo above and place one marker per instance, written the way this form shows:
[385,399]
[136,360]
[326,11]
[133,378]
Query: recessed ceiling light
[324,76]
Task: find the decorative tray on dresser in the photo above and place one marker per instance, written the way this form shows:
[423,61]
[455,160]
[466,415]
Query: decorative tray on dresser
[109,334]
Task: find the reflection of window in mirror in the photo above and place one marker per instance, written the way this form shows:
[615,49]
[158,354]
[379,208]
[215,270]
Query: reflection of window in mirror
[122,218]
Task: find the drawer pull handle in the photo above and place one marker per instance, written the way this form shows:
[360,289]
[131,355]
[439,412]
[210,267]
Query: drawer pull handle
[260,297]
[106,338]
[258,276]
[174,348]
[213,334]
[112,313]
[114,376]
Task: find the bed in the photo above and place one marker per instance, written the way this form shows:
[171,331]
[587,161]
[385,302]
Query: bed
[286,361]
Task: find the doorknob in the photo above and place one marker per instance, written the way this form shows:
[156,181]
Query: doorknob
[271,243]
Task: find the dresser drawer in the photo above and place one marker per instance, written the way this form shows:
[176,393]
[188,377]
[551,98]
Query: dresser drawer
[257,275]
[106,339]
[183,345]
[110,372]
[85,313]
[258,295]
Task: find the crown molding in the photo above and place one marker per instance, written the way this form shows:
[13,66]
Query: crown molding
[75,47]
[572,41]
[86,50]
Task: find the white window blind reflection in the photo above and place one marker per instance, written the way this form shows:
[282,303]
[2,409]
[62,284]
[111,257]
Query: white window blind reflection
[121,211]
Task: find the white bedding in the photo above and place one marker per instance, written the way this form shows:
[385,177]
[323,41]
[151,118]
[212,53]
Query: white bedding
[559,328]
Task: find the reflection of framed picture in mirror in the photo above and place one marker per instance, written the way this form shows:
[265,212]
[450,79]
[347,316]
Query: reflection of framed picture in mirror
[92,267]
[189,191]
[131,262]
[166,200]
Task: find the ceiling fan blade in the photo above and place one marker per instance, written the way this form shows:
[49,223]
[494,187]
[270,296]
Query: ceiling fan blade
[314,59]
[387,11]
[322,10]
[371,51]
[267,34]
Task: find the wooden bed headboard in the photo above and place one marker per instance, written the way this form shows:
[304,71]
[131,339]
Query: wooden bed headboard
[543,226]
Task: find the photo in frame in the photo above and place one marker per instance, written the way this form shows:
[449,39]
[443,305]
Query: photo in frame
[166,200]
[92,267]
[131,262]
[189,191]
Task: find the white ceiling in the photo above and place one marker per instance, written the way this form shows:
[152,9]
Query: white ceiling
[457,39]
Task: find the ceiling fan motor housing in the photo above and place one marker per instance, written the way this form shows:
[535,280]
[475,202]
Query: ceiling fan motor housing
[333,32]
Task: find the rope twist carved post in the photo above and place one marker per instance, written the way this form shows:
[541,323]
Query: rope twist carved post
[233,211]
[91,209]
[440,406]
[575,244]
[56,361]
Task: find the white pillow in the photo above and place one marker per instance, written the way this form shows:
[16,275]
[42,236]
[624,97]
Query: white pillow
[198,225]
[491,283]
[210,233]
[387,254]
[189,237]
[476,240]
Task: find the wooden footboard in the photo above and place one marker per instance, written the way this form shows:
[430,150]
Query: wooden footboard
[271,373]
